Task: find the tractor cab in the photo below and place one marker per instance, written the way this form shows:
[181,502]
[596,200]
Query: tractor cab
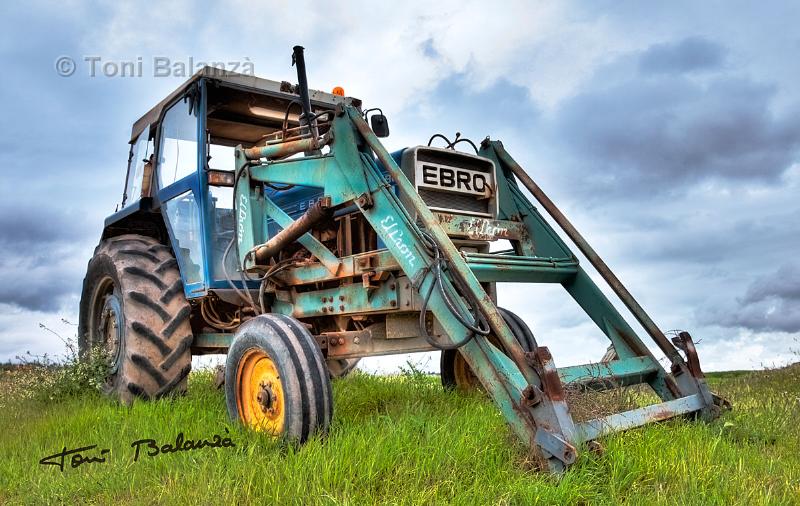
[181,165]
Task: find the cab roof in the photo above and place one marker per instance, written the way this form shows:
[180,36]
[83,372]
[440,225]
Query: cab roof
[236,80]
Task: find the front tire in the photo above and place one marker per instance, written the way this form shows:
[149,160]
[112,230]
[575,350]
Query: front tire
[276,379]
[133,306]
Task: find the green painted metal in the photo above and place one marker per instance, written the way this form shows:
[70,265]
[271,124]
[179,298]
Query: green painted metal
[212,340]
[353,265]
[603,376]
[348,299]
[521,269]
[527,387]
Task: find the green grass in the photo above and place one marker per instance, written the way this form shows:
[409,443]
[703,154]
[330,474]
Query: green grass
[400,440]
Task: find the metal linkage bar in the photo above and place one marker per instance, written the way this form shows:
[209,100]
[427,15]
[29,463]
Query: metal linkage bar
[519,268]
[607,375]
[598,427]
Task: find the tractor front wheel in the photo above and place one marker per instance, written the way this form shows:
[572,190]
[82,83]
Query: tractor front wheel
[276,379]
[133,307]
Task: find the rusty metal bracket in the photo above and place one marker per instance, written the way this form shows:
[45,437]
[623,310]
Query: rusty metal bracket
[685,343]
[556,447]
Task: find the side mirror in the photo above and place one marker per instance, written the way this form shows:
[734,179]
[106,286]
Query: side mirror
[380,125]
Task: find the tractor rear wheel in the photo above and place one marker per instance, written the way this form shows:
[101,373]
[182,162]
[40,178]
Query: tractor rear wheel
[133,306]
[276,379]
[457,374]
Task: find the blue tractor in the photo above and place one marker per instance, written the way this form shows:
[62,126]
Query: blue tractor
[267,221]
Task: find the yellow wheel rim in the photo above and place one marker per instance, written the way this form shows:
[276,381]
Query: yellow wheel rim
[260,398]
[465,378]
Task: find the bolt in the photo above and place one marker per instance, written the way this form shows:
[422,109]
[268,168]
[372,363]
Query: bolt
[341,297]
[356,340]
[324,309]
[323,299]
[341,340]
[330,309]
[391,287]
[393,303]
[341,308]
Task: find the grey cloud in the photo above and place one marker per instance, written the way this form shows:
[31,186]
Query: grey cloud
[456,105]
[689,239]
[25,227]
[42,251]
[656,135]
[38,288]
[783,284]
[688,55]
[770,303]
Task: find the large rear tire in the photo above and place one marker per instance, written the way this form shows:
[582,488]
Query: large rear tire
[276,379]
[133,306]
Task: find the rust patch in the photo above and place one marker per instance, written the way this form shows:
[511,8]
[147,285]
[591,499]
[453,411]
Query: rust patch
[551,381]
[444,218]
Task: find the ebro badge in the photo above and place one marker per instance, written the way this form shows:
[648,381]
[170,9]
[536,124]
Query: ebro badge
[456,179]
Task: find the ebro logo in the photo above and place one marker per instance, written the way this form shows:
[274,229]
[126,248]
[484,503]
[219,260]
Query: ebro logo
[452,179]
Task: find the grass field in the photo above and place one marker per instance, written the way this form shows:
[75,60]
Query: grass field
[396,440]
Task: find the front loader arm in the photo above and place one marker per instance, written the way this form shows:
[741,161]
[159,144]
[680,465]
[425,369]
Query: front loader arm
[526,386]
[348,174]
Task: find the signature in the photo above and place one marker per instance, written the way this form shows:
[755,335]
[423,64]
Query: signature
[149,447]
[181,445]
[76,460]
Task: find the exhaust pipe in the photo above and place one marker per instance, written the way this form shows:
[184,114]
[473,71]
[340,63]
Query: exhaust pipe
[290,234]
[308,117]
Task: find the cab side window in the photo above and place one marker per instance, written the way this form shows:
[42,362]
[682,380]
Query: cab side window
[178,149]
[140,151]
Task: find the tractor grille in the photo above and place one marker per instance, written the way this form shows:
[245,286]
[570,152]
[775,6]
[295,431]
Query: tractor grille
[452,181]
[444,201]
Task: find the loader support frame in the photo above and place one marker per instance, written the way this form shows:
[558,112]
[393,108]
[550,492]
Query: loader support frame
[526,386]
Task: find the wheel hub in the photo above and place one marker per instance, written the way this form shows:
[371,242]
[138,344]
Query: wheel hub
[266,397]
[110,328]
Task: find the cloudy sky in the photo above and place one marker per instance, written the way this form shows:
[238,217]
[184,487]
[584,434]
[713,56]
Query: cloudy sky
[668,132]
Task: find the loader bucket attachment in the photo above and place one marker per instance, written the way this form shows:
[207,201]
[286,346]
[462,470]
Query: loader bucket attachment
[422,270]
